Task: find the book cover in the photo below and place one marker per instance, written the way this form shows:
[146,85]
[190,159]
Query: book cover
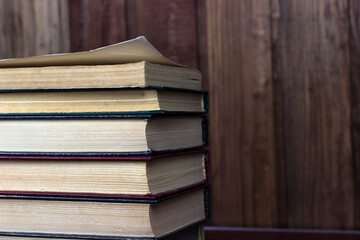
[194,232]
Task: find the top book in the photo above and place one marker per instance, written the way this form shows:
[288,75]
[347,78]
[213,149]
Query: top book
[134,63]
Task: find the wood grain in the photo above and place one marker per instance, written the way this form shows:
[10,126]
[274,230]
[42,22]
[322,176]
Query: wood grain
[215,233]
[30,28]
[96,23]
[2,33]
[241,114]
[278,98]
[169,25]
[314,68]
[284,84]
[202,42]
[354,48]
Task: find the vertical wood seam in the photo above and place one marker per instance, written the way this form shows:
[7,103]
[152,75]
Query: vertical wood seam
[353,156]
[352,128]
[197,33]
[127,27]
[274,64]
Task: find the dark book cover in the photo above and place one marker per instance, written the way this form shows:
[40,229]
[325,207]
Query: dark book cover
[193,232]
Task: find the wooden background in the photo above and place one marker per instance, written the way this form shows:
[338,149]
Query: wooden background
[284,84]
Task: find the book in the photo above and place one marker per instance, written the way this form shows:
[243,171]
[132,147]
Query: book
[102,217]
[140,74]
[104,101]
[100,134]
[146,177]
[133,63]
[102,145]
[195,232]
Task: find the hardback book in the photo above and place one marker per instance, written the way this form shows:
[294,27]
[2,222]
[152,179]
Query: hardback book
[133,63]
[140,74]
[195,232]
[99,218]
[145,177]
[112,101]
[100,134]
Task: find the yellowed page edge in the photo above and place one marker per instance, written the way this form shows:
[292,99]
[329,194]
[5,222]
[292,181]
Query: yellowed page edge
[134,50]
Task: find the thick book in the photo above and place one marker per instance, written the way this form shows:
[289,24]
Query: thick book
[102,218]
[106,101]
[142,177]
[100,134]
[140,74]
[133,63]
[195,232]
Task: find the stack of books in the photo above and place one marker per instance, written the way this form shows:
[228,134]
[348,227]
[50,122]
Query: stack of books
[107,144]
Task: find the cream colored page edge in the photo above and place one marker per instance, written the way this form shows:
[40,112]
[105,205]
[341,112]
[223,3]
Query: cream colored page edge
[134,50]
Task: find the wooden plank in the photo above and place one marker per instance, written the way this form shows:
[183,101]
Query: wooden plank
[314,68]
[202,42]
[169,25]
[215,233]
[278,93]
[241,113]
[354,14]
[2,33]
[30,28]
[96,23]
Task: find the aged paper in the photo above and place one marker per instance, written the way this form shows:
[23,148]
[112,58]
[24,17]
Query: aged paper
[135,50]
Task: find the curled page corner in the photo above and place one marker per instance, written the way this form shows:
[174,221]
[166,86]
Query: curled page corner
[134,50]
